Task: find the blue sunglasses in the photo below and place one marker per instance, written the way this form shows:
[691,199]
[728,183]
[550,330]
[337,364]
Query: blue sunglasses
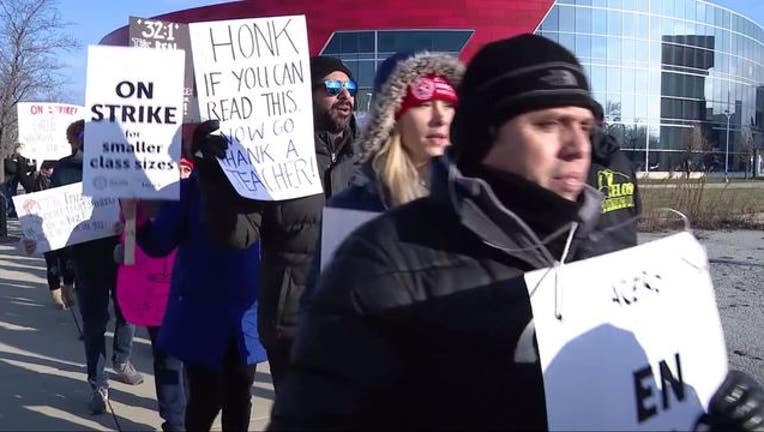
[334,87]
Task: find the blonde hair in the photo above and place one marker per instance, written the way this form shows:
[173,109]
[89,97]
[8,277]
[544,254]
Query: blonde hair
[401,181]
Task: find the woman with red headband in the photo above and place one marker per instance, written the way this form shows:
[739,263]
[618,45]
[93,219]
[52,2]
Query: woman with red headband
[414,100]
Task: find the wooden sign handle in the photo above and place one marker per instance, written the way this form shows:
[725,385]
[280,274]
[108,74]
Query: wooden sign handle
[130,233]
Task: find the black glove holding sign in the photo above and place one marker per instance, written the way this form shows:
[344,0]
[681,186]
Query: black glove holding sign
[738,405]
[226,215]
[205,145]
[206,148]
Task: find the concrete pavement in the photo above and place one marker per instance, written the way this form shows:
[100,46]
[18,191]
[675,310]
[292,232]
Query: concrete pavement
[42,373]
[43,383]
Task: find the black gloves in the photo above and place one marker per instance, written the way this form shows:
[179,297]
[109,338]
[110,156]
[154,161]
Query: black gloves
[738,405]
[208,146]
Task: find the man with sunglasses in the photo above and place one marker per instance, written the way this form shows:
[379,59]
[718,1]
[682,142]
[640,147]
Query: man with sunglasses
[288,229]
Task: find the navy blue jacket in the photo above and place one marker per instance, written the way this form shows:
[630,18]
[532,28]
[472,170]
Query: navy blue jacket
[213,293]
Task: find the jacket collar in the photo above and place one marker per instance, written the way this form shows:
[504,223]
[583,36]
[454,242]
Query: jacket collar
[480,211]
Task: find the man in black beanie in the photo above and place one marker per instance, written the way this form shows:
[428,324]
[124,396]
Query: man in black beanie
[289,229]
[422,320]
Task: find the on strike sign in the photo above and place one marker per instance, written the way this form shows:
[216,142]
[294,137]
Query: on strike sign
[42,129]
[134,100]
[253,75]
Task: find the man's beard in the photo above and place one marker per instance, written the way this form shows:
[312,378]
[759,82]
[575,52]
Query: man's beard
[328,120]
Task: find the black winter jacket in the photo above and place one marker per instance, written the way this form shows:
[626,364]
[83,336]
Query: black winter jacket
[422,319]
[288,229]
[613,175]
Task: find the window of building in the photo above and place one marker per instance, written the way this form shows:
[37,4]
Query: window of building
[599,21]
[710,15]
[614,23]
[628,81]
[568,41]
[583,20]
[628,53]
[668,8]
[629,25]
[599,79]
[567,19]
[599,48]
[643,27]
[552,20]
[583,46]
[613,79]
[614,50]
[627,108]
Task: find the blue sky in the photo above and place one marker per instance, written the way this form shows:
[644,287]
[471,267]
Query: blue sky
[91,20]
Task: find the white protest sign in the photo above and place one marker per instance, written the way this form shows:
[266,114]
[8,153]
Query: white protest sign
[253,75]
[62,216]
[336,225]
[134,99]
[42,129]
[639,345]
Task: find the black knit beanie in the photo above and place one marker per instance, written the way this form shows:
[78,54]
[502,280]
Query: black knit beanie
[507,78]
[321,66]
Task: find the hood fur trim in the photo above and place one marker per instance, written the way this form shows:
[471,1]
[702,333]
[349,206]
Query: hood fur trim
[381,118]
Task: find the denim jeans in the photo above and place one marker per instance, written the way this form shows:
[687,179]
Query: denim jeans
[95,286]
[169,384]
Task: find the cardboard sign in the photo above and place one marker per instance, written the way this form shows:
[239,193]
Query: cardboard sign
[134,102]
[253,75]
[639,345]
[152,33]
[336,225]
[62,216]
[142,288]
[42,129]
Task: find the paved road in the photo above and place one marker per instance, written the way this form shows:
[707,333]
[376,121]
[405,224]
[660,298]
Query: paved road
[42,372]
[737,269]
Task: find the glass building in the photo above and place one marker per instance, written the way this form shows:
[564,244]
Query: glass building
[679,79]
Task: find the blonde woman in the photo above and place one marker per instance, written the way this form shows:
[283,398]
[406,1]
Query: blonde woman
[409,123]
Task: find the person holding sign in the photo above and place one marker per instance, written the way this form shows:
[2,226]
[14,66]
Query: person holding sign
[436,286]
[210,320]
[289,229]
[96,278]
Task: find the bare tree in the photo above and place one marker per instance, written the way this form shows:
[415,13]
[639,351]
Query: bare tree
[694,146]
[33,35]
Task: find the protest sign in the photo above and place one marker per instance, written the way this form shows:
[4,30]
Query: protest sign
[142,289]
[336,225]
[153,33]
[253,75]
[134,101]
[62,216]
[42,129]
[630,340]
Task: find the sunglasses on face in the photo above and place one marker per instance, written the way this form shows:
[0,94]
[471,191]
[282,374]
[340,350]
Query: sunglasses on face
[334,87]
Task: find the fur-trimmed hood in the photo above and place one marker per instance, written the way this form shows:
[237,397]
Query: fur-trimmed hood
[381,119]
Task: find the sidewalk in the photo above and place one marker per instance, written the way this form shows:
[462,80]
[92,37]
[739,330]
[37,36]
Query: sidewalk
[42,369]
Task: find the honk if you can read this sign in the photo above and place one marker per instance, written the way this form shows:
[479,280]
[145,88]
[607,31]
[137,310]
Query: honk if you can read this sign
[134,113]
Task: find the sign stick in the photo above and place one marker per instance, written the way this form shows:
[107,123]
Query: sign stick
[129,212]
